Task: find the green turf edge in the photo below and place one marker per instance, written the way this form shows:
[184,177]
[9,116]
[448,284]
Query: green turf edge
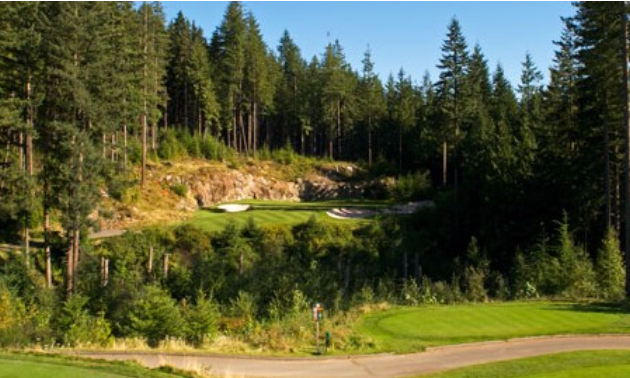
[130,369]
[612,362]
[390,342]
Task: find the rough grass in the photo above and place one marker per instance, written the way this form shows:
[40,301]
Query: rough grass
[413,329]
[587,364]
[277,213]
[37,365]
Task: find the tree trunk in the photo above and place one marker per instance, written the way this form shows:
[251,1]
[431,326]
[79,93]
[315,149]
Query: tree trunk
[150,263]
[444,162]
[626,128]
[405,265]
[144,101]
[400,149]
[369,139]
[143,167]
[125,145]
[165,266]
[47,247]
[113,151]
[255,128]
[75,247]
[104,271]
[70,265]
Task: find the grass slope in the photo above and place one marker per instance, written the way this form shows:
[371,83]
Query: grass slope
[18,365]
[413,329]
[277,213]
[587,364]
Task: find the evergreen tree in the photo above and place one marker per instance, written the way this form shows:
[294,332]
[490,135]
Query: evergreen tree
[371,101]
[258,84]
[609,268]
[453,67]
[337,96]
[228,47]
[290,93]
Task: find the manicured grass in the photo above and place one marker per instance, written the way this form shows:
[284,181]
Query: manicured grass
[587,364]
[17,365]
[413,329]
[277,213]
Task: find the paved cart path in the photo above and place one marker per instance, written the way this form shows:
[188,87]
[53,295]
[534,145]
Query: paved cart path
[379,366]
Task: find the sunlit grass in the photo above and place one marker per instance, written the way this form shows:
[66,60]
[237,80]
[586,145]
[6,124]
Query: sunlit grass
[586,364]
[413,329]
[18,365]
[278,213]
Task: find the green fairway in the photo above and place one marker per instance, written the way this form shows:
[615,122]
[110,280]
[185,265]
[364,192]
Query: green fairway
[37,366]
[412,329]
[587,364]
[277,213]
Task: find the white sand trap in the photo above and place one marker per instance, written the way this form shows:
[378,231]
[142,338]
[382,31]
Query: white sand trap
[344,213]
[233,207]
[406,208]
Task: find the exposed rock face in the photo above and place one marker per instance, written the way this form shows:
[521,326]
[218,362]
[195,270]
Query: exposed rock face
[208,187]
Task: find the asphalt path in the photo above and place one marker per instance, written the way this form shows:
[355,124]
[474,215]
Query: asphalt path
[378,366]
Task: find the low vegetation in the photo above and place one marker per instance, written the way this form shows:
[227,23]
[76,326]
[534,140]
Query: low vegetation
[36,365]
[609,364]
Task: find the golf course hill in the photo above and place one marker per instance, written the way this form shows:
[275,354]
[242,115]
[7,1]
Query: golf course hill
[174,190]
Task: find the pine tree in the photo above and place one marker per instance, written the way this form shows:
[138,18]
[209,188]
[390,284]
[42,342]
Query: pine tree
[290,93]
[258,84]
[371,100]
[530,120]
[453,67]
[609,268]
[337,95]
[228,47]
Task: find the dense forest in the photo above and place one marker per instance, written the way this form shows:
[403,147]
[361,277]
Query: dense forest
[530,181]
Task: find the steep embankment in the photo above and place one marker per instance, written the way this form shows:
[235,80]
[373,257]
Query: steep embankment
[174,190]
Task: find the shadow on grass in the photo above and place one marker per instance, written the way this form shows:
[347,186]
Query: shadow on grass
[600,308]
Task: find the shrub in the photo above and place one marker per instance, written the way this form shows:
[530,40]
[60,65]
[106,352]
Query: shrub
[410,292]
[170,147]
[79,327]
[610,268]
[201,320]
[411,186]
[155,316]
[179,189]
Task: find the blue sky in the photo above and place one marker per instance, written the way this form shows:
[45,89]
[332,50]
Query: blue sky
[402,34]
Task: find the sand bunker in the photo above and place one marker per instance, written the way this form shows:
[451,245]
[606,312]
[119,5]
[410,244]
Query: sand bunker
[407,208]
[233,207]
[344,213]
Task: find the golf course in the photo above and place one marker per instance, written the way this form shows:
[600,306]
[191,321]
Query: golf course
[411,329]
[273,213]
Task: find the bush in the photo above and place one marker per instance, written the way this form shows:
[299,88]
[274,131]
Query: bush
[179,189]
[201,320]
[170,147]
[79,327]
[610,268]
[411,186]
[155,316]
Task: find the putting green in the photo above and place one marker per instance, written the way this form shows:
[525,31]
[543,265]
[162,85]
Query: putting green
[587,364]
[277,213]
[412,329]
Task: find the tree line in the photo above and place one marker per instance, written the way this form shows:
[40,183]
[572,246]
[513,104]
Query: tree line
[88,89]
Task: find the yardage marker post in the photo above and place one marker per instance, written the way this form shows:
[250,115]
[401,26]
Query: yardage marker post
[317,316]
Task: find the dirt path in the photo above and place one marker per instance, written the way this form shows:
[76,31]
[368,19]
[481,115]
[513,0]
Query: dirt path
[379,366]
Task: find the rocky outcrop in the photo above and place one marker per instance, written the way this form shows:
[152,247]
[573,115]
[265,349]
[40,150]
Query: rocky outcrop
[207,187]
